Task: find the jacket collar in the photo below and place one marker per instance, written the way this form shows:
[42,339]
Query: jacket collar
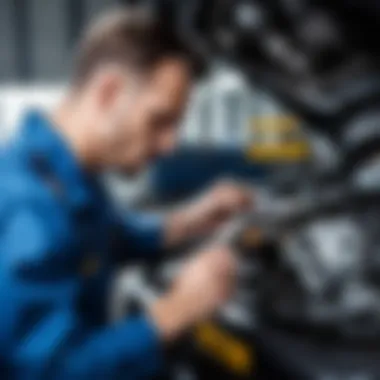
[51,155]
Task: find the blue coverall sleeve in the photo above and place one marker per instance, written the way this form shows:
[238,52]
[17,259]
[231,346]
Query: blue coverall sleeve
[41,332]
[130,351]
[143,233]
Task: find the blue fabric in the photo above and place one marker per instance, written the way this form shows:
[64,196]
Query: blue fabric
[190,170]
[56,230]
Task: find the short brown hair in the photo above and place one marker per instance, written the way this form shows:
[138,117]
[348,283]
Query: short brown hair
[135,37]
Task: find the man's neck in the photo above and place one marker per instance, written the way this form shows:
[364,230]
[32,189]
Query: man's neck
[73,125]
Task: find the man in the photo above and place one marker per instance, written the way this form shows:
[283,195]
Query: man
[59,232]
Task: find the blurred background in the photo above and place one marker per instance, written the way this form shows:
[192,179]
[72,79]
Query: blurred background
[291,106]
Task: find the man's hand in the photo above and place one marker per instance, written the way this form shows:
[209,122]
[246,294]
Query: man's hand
[205,214]
[204,285]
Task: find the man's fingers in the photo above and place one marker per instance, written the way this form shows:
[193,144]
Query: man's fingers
[234,196]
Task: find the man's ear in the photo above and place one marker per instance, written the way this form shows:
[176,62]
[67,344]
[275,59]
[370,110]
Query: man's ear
[109,84]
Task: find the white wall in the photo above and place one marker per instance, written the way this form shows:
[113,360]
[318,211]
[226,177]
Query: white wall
[15,100]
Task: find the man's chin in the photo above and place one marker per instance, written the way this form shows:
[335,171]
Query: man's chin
[130,172]
[133,169]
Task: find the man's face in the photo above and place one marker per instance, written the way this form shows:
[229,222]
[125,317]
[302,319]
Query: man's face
[144,117]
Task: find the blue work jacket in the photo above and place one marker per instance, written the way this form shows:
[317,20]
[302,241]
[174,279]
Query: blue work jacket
[58,234]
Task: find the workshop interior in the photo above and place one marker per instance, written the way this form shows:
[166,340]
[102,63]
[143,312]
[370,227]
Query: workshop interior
[290,106]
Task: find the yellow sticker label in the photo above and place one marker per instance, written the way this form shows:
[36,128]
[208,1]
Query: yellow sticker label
[296,151]
[277,138]
[277,123]
[226,349]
